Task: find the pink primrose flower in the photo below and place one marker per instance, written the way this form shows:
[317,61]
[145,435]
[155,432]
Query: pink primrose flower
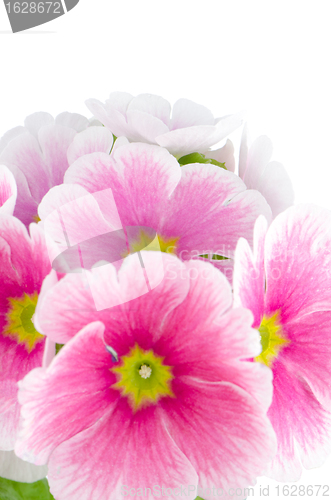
[36,154]
[24,263]
[196,210]
[146,118]
[286,283]
[154,391]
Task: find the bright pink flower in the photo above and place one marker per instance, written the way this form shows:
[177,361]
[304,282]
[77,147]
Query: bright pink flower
[172,403]
[8,191]
[37,156]
[268,177]
[24,263]
[195,209]
[286,283]
[146,118]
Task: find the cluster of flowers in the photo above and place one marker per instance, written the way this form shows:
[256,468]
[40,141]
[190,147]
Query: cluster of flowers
[165,313]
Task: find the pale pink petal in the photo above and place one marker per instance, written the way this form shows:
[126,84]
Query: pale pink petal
[91,140]
[186,113]
[26,207]
[117,454]
[153,105]
[54,141]
[8,191]
[58,196]
[249,274]
[72,120]
[61,319]
[49,353]
[15,469]
[258,156]
[120,101]
[144,127]
[276,186]
[243,152]
[11,134]
[37,120]
[229,422]
[301,424]
[9,410]
[224,155]
[298,262]
[51,398]
[108,115]
[198,137]
[23,152]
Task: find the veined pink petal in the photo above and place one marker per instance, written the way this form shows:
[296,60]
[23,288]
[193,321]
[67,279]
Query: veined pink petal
[229,422]
[132,170]
[123,454]
[15,469]
[8,191]
[91,140]
[298,260]
[214,196]
[54,397]
[302,424]
[62,321]
[310,353]
[249,274]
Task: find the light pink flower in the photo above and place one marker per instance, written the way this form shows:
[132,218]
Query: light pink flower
[146,118]
[8,191]
[191,411]
[37,156]
[195,209]
[24,263]
[286,283]
[268,177]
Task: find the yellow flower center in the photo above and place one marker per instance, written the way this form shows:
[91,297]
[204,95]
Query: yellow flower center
[144,241]
[272,339]
[19,325]
[143,378]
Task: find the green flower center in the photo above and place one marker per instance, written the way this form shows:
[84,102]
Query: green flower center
[272,340]
[19,324]
[143,241]
[143,378]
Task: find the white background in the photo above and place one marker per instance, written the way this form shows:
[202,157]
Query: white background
[270,58]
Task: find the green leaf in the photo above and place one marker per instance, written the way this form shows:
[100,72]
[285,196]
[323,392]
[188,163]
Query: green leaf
[199,158]
[58,347]
[214,257]
[12,490]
